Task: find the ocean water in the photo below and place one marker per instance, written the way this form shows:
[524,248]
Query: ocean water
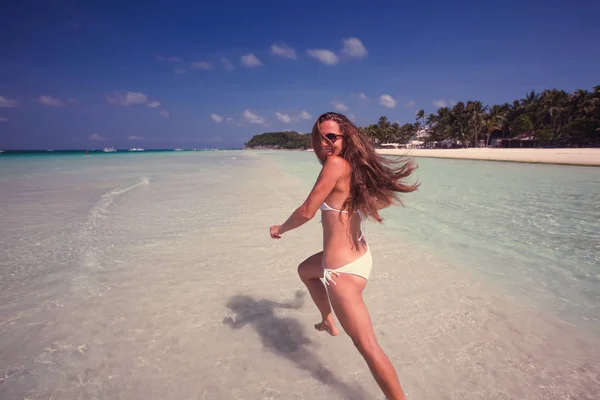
[78,234]
[152,275]
[531,229]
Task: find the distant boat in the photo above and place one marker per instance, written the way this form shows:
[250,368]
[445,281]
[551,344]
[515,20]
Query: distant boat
[178,149]
[136,149]
[109,150]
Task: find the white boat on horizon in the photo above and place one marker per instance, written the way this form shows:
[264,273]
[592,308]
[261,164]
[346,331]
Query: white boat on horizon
[109,150]
[136,149]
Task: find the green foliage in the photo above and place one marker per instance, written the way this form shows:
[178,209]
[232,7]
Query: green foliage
[280,140]
[384,131]
[544,135]
[551,117]
[522,124]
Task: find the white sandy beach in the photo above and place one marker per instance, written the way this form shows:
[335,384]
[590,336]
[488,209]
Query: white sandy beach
[170,287]
[583,156]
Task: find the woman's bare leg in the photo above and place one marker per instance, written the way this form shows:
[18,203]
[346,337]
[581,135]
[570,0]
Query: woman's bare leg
[351,311]
[310,270]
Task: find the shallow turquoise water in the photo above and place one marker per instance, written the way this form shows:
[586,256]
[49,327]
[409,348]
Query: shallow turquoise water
[531,229]
[118,271]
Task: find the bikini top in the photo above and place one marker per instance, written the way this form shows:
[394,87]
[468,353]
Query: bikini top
[327,207]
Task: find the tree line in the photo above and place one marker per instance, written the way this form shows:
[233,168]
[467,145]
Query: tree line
[280,140]
[549,118]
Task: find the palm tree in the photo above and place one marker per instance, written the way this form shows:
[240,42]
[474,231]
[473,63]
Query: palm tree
[458,123]
[395,132]
[421,116]
[406,132]
[476,113]
[383,129]
[495,121]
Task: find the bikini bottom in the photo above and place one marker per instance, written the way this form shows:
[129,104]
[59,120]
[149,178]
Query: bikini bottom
[360,267]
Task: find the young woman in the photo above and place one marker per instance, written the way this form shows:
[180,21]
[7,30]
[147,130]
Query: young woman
[354,183]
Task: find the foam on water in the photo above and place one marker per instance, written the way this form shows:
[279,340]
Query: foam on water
[101,208]
[153,276]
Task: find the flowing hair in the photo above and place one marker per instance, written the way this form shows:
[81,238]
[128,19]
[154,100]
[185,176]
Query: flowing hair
[376,181]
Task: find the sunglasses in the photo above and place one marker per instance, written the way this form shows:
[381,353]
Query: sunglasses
[333,136]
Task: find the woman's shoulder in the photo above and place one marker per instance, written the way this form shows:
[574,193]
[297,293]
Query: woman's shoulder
[338,163]
[336,168]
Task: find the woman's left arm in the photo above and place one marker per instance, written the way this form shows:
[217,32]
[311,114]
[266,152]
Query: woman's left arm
[330,173]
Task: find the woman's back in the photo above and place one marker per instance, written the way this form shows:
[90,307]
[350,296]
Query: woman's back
[343,236]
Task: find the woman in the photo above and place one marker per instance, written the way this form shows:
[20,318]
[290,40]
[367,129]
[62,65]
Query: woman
[354,183]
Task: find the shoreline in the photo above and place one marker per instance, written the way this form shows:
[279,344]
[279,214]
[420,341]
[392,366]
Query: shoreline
[561,156]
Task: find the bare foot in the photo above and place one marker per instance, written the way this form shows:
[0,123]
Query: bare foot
[327,325]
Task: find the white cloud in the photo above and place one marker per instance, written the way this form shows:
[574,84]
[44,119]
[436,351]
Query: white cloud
[250,60]
[164,113]
[50,101]
[452,102]
[202,65]
[228,65]
[363,96]
[95,136]
[285,118]
[132,98]
[304,115]
[283,50]
[3,119]
[410,104]
[440,103]
[339,106]
[253,118]
[135,138]
[7,103]
[387,101]
[179,70]
[327,57]
[351,117]
[288,118]
[353,48]
[127,99]
[216,117]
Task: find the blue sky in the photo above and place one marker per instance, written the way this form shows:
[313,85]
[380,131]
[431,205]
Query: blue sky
[160,74]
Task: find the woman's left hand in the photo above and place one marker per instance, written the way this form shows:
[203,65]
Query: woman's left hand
[274,231]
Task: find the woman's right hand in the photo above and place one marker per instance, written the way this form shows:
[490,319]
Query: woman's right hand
[274,231]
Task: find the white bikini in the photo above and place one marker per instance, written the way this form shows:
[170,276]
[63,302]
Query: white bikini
[361,266]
